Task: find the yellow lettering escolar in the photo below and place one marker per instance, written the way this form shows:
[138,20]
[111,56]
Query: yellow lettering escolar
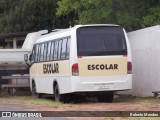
[50,68]
[103,67]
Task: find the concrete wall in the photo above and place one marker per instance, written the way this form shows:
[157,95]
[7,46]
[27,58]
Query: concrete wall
[145,47]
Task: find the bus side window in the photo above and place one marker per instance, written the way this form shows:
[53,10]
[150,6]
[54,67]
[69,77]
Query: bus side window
[68,47]
[52,51]
[59,49]
[45,51]
[38,53]
[41,52]
[55,50]
[48,51]
[33,54]
[64,46]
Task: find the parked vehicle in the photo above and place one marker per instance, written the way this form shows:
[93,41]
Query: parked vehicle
[12,60]
[86,59]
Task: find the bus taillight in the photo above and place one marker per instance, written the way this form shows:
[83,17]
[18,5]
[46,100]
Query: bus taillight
[75,71]
[129,67]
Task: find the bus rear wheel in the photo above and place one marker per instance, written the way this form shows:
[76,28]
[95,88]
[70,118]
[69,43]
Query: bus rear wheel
[58,97]
[106,97]
[34,91]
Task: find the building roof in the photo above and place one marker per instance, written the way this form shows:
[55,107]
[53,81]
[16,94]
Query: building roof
[11,35]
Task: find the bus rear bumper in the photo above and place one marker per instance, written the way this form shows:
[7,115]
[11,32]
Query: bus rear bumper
[102,85]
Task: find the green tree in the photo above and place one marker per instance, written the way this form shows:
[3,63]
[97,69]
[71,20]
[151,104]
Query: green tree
[131,14]
[88,11]
[33,15]
[29,15]
[152,18]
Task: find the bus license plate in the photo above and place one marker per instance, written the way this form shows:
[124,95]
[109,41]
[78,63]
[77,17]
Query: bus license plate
[104,86]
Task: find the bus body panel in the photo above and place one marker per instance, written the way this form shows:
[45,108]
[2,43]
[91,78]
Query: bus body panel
[82,83]
[103,82]
[63,82]
[47,80]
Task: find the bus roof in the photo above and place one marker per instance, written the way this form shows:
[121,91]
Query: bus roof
[48,36]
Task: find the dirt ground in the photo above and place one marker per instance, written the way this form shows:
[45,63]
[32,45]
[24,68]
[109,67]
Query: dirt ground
[122,103]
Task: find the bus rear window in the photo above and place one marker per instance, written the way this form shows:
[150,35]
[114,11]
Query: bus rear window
[101,41]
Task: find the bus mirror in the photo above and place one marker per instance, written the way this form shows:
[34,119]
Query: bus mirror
[30,57]
[26,60]
[26,57]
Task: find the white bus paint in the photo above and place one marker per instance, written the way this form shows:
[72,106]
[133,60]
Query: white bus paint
[66,70]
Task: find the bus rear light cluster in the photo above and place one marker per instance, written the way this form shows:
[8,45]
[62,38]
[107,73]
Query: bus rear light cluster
[75,71]
[129,67]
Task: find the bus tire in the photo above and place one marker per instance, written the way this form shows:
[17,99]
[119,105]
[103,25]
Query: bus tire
[34,91]
[58,97]
[106,97]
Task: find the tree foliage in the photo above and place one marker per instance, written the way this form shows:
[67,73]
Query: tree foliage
[29,15]
[131,14]
[33,15]
[88,11]
[153,17]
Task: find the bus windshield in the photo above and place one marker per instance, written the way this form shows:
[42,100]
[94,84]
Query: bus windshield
[100,41]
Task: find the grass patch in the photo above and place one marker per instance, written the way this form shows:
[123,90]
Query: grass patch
[30,100]
[133,99]
[126,98]
[142,103]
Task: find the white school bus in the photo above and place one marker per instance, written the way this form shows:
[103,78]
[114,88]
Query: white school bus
[85,59]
